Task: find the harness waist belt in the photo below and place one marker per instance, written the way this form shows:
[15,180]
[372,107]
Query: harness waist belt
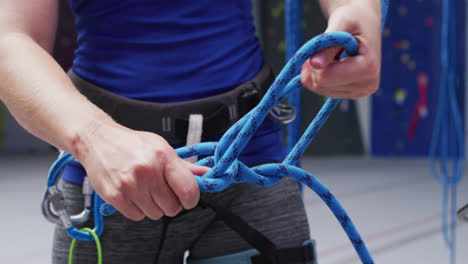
[170,120]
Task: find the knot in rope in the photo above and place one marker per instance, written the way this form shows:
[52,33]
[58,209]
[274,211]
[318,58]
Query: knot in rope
[223,156]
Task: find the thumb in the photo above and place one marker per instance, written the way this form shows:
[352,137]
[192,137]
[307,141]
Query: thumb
[196,169]
[323,58]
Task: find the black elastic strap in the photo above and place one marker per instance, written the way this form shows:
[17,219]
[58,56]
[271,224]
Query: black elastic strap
[270,254]
[304,254]
[165,223]
[252,236]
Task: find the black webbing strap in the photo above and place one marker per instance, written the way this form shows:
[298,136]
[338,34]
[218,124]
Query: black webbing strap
[170,120]
[270,254]
[304,254]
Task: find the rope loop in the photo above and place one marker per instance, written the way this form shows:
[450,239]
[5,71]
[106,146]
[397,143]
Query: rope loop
[222,156]
[226,168]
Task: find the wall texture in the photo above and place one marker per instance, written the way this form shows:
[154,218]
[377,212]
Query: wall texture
[403,110]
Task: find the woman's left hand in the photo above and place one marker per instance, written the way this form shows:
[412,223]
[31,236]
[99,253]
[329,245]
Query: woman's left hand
[352,77]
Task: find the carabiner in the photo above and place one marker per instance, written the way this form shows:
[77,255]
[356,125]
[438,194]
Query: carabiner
[53,204]
[284,113]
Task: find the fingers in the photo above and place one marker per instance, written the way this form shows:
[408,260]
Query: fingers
[161,188]
[144,192]
[143,176]
[181,180]
[162,194]
[351,77]
[124,206]
[196,169]
[148,206]
[325,57]
[130,210]
[152,194]
[353,91]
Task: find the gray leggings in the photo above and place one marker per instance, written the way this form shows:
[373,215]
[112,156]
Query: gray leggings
[277,212]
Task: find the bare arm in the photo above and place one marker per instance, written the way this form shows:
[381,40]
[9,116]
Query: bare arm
[352,77]
[34,87]
[137,172]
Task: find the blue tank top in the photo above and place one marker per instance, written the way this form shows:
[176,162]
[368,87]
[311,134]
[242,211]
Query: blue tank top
[172,51]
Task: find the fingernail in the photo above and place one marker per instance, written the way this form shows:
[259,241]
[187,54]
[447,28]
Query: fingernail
[318,60]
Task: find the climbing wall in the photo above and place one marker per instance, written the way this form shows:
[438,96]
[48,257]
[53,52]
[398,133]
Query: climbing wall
[341,133]
[403,109]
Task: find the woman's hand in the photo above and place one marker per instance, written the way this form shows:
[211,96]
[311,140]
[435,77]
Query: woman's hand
[138,173]
[352,77]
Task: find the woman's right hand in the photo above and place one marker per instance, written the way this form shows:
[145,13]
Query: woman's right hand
[137,172]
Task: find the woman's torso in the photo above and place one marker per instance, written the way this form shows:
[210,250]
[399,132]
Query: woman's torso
[166,51]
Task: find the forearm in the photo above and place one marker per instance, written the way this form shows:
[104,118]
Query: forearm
[41,97]
[328,6]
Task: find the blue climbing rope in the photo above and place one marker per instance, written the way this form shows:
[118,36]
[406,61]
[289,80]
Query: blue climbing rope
[447,146]
[293,32]
[223,155]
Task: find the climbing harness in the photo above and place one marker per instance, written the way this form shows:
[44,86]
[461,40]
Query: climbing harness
[222,156]
[172,120]
[447,148]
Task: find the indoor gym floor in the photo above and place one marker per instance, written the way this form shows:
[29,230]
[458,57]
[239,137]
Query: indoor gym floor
[394,203]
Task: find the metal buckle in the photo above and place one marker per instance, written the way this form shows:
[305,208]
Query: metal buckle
[284,113]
